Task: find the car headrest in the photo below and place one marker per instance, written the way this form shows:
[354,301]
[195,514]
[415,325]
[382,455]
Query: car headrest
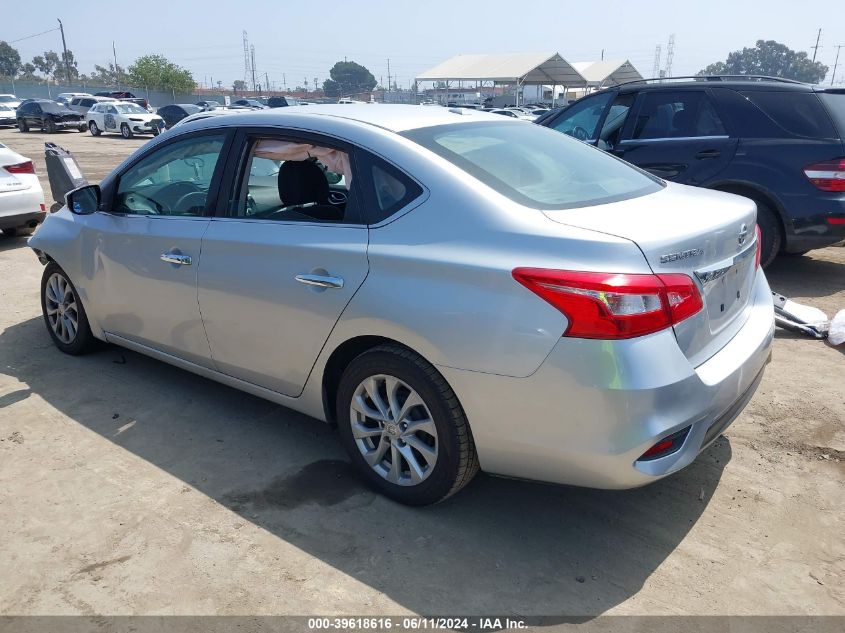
[302,182]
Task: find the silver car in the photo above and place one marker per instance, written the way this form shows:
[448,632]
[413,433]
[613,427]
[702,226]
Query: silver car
[455,290]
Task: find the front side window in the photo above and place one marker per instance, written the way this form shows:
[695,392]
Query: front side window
[535,166]
[293,181]
[682,114]
[172,180]
[582,118]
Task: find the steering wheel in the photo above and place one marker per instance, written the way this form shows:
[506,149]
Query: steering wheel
[579,133]
[197,198]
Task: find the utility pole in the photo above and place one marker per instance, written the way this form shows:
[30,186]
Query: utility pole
[116,71]
[388,74]
[655,73]
[64,47]
[315,84]
[835,64]
[602,54]
[816,47]
[252,57]
[266,82]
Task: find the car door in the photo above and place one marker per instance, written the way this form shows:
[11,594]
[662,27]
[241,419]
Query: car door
[95,114]
[144,246]
[275,276]
[678,135]
[34,116]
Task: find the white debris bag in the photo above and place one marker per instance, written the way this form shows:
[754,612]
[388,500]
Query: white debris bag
[836,334]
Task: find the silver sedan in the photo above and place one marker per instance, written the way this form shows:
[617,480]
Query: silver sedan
[455,290]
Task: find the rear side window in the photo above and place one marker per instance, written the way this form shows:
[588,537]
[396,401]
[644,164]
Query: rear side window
[797,113]
[835,103]
[682,114]
[391,190]
[535,166]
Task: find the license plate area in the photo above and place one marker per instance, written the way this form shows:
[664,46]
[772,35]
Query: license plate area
[727,288]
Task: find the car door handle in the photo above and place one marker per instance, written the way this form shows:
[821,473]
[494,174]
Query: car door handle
[321,281]
[174,258]
[708,153]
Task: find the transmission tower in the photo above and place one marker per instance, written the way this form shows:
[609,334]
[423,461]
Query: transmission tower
[246,59]
[656,69]
[670,55]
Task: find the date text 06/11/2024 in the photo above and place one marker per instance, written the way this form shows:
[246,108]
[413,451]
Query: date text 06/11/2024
[411,623]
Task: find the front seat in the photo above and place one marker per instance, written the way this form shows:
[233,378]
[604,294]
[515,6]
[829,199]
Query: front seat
[302,182]
[682,123]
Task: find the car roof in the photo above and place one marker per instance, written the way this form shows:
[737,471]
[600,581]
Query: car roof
[771,85]
[395,118]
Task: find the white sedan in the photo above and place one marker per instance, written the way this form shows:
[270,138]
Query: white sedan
[127,119]
[21,197]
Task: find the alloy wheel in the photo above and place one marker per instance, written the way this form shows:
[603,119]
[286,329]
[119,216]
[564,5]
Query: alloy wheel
[61,308]
[394,430]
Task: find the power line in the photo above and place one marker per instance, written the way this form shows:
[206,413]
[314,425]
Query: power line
[29,37]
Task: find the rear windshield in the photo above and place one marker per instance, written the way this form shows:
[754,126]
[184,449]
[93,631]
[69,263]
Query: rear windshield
[799,113]
[535,166]
[835,102]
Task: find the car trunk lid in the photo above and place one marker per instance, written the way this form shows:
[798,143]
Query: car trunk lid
[11,180]
[707,235]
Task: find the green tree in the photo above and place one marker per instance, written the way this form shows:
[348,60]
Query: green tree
[351,78]
[71,67]
[331,88]
[10,60]
[107,75]
[27,71]
[157,72]
[46,64]
[239,85]
[772,59]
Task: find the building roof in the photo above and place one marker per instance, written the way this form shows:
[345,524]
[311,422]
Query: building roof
[608,72]
[527,68]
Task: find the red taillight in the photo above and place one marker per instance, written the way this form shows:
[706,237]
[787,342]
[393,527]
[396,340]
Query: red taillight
[614,305]
[836,221]
[759,252]
[828,175]
[21,168]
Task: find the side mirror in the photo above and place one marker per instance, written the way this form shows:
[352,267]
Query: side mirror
[84,201]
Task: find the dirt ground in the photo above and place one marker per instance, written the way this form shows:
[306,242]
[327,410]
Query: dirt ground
[131,487]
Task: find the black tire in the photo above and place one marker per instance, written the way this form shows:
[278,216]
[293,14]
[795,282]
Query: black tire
[18,231]
[125,131]
[48,125]
[22,126]
[82,128]
[770,232]
[84,341]
[156,130]
[796,254]
[92,127]
[456,463]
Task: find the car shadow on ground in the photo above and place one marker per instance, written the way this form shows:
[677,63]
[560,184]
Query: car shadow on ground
[10,243]
[500,546]
[805,276]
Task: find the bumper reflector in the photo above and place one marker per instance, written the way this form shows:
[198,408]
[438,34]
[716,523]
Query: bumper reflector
[666,446]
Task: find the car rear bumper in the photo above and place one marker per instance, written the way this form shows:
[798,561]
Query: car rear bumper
[19,208]
[824,227]
[594,407]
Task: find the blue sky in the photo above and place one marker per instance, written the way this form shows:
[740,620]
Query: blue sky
[303,39]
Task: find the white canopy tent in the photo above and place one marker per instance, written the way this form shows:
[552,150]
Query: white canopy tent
[607,72]
[516,68]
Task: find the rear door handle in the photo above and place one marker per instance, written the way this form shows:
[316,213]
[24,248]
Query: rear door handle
[321,281]
[708,153]
[176,258]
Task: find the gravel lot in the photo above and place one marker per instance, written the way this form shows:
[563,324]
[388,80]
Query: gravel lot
[130,487]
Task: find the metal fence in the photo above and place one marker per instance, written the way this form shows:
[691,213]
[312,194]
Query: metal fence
[32,90]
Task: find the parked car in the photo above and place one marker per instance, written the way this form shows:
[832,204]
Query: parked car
[583,322]
[7,115]
[66,97]
[208,105]
[172,114]
[282,102]
[124,118]
[250,103]
[778,142]
[10,100]
[122,95]
[83,104]
[49,116]
[204,114]
[21,197]
[503,112]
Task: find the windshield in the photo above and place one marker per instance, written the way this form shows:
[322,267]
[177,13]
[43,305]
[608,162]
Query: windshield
[191,109]
[50,106]
[129,108]
[7,98]
[535,166]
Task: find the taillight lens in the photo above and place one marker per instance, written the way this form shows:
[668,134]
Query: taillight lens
[759,252]
[21,168]
[614,305]
[828,175]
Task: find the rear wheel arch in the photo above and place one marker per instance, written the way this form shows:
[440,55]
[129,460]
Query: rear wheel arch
[758,195]
[340,359]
